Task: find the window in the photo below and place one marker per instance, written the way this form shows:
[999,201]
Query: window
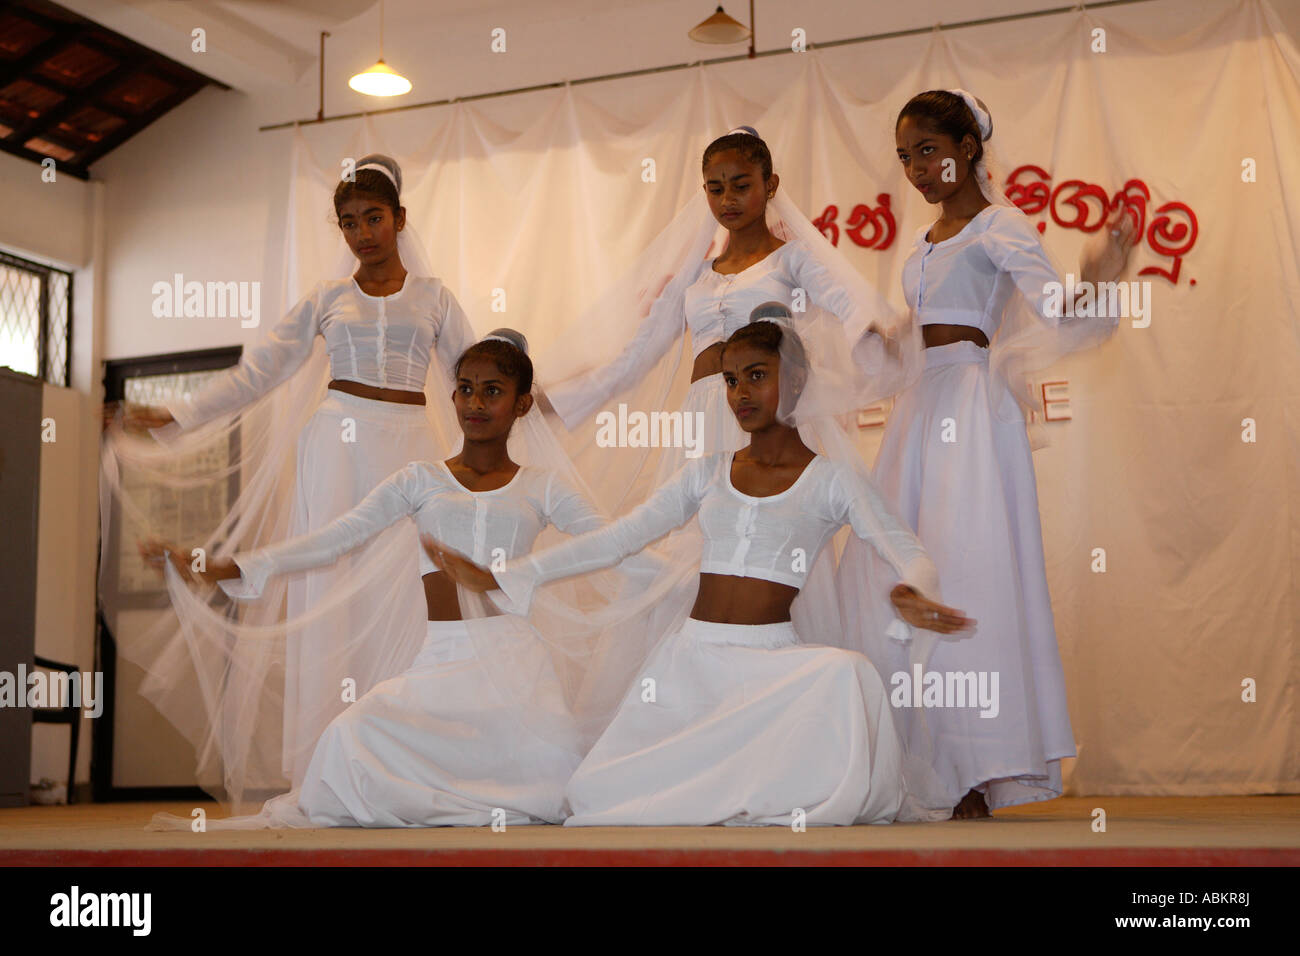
[35,329]
[174,515]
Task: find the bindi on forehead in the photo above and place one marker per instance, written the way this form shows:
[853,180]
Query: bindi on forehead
[369,210]
[736,359]
[732,159]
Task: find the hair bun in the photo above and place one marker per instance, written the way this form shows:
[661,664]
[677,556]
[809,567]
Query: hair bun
[777,312]
[512,336]
[748,130]
[980,112]
[986,122]
[387,165]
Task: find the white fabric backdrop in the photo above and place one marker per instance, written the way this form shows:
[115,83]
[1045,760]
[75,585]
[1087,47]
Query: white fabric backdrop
[542,195]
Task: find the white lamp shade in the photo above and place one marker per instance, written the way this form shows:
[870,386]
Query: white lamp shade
[719,28]
[380,80]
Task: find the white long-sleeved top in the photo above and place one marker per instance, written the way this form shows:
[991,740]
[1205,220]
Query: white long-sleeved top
[385,341]
[773,538]
[716,305]
[968,278]
[487,526]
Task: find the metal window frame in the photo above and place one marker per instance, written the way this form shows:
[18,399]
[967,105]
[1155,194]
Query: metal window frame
[43,273]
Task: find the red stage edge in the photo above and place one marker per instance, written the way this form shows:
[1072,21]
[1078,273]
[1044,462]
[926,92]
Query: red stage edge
[1124,857]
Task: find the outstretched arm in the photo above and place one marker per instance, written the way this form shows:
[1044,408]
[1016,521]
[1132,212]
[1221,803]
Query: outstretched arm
[569,509]
[1013,245]
[873,520]
[281,352]
[578,398]
[874,332]
[155,552]
[667,509]
[244,576]
[861,308]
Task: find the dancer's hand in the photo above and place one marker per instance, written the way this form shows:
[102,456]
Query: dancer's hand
[155,552]
[138,418]
[1106,253]
[459,568]
[922,612]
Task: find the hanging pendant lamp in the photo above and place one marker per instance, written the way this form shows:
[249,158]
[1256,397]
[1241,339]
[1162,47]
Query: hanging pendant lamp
[380,79]
[719,28]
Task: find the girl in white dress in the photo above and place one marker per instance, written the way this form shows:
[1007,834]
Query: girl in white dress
[625,349]
[304,454]
[955,457]
[732,719]
[478,729]
[626,346]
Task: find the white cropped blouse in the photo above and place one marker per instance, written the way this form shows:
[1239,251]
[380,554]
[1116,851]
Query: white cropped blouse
[487,526]
[773,538]
[716,305]
[968,278]
[384,341]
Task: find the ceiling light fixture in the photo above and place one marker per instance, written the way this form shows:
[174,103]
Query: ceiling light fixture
[380,79]
[721,28]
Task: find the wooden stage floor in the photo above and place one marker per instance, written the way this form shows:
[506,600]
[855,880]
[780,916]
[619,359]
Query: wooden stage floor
[1140,831]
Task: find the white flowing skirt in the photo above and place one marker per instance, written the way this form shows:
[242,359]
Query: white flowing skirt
[349,446]
[743,725]
[962,476]
[445,744]
[474,733]
[665,601]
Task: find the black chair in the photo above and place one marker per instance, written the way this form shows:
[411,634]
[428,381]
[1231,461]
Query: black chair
[70,715]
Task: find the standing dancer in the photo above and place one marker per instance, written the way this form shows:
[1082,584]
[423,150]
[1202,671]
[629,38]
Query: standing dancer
[734,720]
[955,457]
[626,348]
[392,332]
[478,730]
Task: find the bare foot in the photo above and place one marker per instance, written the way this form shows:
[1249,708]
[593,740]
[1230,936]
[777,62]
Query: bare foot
[972,807]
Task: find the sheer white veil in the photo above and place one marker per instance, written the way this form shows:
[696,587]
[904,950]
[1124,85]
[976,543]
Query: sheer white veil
[647,301]
[848,605]
[851,367]
[214,670]
[537,663]
[1028,339]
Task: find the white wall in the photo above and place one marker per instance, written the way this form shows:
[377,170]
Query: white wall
[42,220]
[56,223]
[64,605]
